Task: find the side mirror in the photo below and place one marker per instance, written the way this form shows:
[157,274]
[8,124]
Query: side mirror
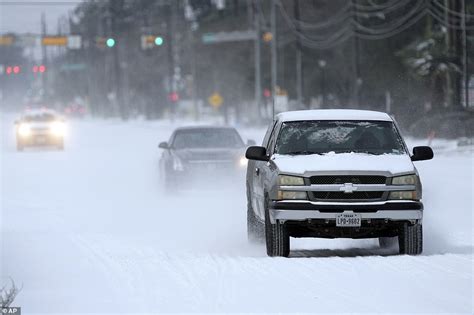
[257,153]
[422,153]
[163,145]
[251,142]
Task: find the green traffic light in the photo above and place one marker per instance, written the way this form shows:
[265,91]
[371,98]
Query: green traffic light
[159,41]
[110,42]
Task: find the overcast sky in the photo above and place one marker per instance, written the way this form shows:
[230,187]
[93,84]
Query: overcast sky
[24,16]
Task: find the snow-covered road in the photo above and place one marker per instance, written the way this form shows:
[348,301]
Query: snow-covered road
[88,230]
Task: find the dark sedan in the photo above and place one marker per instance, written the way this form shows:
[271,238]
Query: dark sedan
[194,153]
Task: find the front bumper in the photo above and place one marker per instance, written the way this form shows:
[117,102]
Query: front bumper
[301,211]
[40,139]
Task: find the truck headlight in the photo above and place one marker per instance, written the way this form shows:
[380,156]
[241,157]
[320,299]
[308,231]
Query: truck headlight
[403,195]
[292,195]
[24,130]
[285,180]
[58,128]
[404,180]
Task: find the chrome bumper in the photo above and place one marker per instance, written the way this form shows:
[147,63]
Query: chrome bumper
[302,215]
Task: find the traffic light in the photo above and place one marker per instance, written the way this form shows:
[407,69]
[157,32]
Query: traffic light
[159,41]
[174,97]
[12,70]
[39,69]
[110,42]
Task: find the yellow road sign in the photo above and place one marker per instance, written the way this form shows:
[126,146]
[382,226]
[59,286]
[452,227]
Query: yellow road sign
[215,100]
[6,40]
[54,41]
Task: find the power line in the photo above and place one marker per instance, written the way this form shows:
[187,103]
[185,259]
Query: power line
[352,27]
[39,3]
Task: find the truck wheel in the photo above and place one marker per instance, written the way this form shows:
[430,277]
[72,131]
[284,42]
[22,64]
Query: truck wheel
[410,239]
[276,236]
[388,242]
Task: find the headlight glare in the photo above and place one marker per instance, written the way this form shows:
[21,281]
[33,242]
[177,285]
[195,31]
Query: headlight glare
[285,180]
[292,195]
[24,130]
[403,195]
[243,162]
[404,180]
[58,128]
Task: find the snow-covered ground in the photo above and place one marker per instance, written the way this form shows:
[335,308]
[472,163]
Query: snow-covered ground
[87,230]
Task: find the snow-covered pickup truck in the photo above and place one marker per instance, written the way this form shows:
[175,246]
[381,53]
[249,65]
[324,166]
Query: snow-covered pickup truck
[334,174]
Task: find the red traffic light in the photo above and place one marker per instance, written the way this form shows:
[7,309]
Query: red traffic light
[174,97]
[40,69]
[9,70]
[16,69]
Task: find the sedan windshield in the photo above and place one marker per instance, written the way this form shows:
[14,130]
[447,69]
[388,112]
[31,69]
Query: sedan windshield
[319,137]
[207,138]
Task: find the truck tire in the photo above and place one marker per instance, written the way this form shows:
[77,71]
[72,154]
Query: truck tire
[276,237]
[410,239]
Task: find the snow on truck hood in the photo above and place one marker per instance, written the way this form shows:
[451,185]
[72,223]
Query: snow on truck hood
[300,164]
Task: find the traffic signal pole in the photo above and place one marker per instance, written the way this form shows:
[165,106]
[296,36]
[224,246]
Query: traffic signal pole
[258,53]
[274,54]
[299,57]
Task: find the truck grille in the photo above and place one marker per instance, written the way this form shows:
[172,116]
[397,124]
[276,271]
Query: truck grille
[357,195]
[357,179]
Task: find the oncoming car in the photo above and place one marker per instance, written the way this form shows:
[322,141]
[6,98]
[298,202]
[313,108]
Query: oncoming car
[42,127]
[197,153]
[335,174]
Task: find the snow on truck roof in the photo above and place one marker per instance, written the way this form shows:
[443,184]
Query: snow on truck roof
[333,114]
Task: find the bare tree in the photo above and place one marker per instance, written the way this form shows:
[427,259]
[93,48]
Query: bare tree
[8,295]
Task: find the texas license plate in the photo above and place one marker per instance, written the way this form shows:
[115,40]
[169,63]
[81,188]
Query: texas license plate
[348,219]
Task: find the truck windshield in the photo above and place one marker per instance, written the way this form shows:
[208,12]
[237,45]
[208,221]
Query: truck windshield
[207,138]
[319,137]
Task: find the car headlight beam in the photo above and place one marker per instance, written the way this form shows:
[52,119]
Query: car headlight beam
[24,130]
[58,128]
[243,162]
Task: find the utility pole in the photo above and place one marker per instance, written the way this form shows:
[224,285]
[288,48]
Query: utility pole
[44,56]
[258,53]
[355,60]
[299,57]
[465,56]
[116,8]
[274,54]
[447,99]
